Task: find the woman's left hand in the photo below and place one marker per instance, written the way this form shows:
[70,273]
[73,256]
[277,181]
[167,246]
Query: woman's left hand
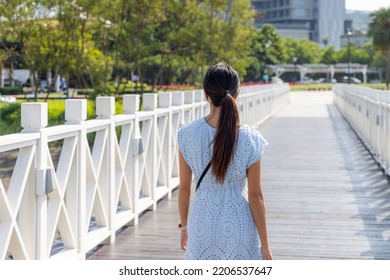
[266,253]
[183,239]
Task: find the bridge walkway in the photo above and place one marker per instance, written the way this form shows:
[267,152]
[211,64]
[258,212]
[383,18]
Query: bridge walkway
[326,197]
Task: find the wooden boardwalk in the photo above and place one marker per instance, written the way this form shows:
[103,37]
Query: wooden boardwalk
[326,197]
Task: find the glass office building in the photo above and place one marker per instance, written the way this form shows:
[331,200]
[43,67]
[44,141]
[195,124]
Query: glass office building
[321,21]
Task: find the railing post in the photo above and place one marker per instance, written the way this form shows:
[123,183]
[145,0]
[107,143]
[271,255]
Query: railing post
[178,100]
[189,99]
[105,109]
[199,102]
[131,104]
[165,101]
[177,122]
[366,111]
[34,119]
[149,101]
[76,114]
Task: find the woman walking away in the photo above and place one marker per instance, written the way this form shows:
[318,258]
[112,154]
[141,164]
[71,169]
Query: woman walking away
[227,218]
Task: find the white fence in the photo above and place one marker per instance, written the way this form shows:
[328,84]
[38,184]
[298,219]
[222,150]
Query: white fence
[62,208]
[368,112]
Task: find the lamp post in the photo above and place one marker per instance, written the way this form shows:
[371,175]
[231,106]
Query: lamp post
[106,27]
[267,45]
[295,59]
[349,33]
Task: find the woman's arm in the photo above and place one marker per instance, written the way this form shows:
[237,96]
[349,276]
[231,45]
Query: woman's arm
[184,197]
[257,206]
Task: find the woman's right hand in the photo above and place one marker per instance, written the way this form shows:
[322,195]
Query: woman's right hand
[266,253]
[183,239]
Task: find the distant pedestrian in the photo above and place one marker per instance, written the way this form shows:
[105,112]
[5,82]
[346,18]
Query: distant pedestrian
[63,84]
[227,219]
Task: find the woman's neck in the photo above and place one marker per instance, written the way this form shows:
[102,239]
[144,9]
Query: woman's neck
[213,117]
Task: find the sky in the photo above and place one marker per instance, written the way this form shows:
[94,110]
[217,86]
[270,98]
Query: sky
[366,5]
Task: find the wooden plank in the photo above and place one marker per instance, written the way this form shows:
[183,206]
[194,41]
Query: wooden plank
[326,197]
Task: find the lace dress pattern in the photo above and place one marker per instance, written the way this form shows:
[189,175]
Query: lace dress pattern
[220,223]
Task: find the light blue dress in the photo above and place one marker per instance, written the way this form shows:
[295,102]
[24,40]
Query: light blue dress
[220,223]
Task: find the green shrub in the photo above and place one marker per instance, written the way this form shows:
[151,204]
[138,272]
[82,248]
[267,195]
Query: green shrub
[9,118]
[10,112]
[10,90]
[56,110]
[9,127]
[91,109]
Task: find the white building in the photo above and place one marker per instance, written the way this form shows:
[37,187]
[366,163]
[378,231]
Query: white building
[331,16]
[321,21]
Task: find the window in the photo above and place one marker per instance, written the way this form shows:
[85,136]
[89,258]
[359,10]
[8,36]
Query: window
[281,13]
[299,12]
[281,2]
[274,3]
[287,2]
[274,14]
[268,4]
[287,13]
[259,5]
[300,2]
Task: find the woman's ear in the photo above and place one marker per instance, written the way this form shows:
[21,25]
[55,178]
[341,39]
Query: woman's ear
[237,94]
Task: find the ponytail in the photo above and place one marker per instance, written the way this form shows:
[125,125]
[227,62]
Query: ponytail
[225,141]
[221,85]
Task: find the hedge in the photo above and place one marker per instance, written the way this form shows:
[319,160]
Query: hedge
[10,90]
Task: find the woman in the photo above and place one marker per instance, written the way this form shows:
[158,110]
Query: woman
[227,218]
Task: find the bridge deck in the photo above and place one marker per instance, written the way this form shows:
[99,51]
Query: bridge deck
[326,197]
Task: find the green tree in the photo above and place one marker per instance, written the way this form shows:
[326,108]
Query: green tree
[174,45]
[304,50]
[329,56]
[273,49]
[15,28]
[78,54]
[56,36]
[88,41]
[267,47]
[223,32]
[379,30]
[133,33]
[357,55]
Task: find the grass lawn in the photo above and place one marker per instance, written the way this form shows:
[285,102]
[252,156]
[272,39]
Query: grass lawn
[315,87]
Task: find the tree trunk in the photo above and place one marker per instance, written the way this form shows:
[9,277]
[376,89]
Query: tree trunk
[388,70]
[11,75]
[118,80]
[36,86]
[49,85]
[140,78]
[1,76]
[157,77]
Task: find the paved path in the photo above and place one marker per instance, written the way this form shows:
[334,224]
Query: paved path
[326,197]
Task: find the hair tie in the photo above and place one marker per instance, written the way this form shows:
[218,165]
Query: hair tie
[227,91]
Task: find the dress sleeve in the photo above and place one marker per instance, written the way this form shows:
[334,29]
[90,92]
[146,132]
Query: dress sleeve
[257,144]
[181,142]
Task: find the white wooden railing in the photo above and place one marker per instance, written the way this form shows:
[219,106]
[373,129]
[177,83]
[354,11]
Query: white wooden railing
[368,112]
[64,210]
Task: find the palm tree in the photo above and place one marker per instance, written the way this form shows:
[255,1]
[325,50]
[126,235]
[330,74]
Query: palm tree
[379,30]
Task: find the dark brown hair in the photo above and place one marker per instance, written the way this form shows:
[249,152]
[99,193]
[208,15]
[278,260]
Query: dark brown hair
[221,85]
